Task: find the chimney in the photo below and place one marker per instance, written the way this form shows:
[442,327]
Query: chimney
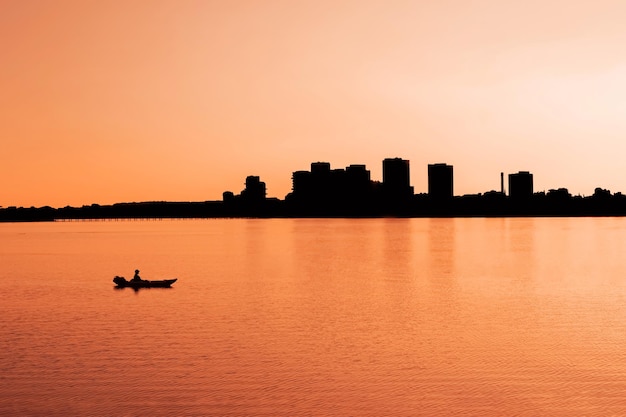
[502,182]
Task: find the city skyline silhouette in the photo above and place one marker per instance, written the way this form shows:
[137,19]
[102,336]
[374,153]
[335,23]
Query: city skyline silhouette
[324,191]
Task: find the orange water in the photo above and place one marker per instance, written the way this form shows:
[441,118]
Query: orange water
[383,317]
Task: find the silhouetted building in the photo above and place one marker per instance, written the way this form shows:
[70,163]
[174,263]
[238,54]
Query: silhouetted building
[228,196]
[331,185]
[320,168]
[440,181]
[358,174]
[521,185]
[320,181]
[301,182]
[255,189]
[396,178]
[358,180]
[324,191]
[312,185]
[336,188]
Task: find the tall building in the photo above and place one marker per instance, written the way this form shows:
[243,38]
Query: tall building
[396,178]
[440,181]
[320,180]
[521,185]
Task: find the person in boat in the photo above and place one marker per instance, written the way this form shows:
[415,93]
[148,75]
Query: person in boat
[136,278]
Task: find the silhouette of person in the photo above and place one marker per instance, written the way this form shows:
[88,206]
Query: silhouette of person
[136,278]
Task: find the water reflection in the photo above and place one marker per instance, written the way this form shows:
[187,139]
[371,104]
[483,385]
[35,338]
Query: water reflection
[441,251]
[137,289]
[397,245]
[520,251]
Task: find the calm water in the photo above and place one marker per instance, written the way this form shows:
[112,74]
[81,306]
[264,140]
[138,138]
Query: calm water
[383,317]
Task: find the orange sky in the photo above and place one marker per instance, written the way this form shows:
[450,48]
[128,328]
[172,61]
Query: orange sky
[112,101]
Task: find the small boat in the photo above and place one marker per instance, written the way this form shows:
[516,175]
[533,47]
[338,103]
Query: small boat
[122,282]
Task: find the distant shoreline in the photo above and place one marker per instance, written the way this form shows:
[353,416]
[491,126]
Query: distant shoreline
[418,206]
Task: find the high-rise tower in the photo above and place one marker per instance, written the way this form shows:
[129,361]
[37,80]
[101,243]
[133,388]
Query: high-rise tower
[521,185]
[396,178]
[440,181]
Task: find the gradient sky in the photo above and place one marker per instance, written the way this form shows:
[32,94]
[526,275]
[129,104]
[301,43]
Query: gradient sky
[111,101]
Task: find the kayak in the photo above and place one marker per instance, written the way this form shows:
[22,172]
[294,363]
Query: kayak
[144,283]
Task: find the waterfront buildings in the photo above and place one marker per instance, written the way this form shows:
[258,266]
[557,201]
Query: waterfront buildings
[521,185]
[396,178]
[440,182]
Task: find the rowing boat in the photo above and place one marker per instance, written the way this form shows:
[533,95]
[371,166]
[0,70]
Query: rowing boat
[144,283]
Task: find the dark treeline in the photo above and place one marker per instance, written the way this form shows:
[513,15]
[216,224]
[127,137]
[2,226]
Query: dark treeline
[349,192]
[115,211]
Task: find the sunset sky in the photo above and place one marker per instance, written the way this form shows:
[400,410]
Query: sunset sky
[142,100]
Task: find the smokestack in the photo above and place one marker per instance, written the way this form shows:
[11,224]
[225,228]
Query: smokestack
[502,182]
